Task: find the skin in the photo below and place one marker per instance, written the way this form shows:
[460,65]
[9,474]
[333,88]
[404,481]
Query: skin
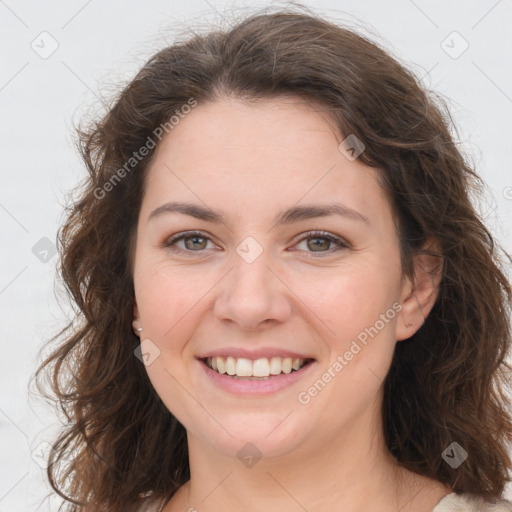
[251,161]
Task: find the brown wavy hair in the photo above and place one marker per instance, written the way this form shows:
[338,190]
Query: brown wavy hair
[446,383]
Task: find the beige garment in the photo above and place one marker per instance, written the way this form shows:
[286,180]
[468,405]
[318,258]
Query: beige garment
[468,502]
[465,502]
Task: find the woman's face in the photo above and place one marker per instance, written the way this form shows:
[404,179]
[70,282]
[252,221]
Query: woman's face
[253,283]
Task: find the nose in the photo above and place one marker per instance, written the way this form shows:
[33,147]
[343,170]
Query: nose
[253,296]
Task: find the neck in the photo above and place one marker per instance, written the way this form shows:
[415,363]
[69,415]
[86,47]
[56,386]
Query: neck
[351,472]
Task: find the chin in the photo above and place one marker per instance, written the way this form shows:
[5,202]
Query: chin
[255,435]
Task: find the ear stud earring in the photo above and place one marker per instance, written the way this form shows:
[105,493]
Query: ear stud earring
[408,324]
[139,329]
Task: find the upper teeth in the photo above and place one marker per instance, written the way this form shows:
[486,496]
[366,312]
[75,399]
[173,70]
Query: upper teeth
[242,367]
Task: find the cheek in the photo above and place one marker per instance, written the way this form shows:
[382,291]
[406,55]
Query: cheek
[168,302]
[360,344]
[350,298]
[367,341]
[166,294]
[360,308]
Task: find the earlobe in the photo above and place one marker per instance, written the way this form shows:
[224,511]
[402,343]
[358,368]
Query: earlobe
[137,328]
[420,292]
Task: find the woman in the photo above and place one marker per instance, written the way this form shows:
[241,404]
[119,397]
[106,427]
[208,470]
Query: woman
[286,297]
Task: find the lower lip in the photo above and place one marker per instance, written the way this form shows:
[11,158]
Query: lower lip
[256,387]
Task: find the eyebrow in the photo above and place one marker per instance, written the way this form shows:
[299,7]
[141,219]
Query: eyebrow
[289,216]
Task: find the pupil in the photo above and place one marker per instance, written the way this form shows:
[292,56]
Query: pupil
[193,241]
[326,242]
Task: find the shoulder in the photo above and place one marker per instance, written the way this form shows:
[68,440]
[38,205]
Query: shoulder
[467,502]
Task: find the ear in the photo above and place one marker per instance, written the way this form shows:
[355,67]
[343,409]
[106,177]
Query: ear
[419,293]
[136,319]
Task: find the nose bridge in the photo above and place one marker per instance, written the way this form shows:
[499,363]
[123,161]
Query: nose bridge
[252,293]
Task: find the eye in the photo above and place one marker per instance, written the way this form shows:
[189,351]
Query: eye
[317,241]
[194,241]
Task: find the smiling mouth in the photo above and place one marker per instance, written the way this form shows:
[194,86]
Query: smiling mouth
[258,369]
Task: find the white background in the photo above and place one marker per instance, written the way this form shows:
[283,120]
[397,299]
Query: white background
[101,43]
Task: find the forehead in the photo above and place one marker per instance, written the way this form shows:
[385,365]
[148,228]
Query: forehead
[262,154]
[278,128]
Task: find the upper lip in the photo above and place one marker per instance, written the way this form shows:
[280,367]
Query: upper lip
[259,353]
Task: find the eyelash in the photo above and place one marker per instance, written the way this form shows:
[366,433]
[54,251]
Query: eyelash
[309,235]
